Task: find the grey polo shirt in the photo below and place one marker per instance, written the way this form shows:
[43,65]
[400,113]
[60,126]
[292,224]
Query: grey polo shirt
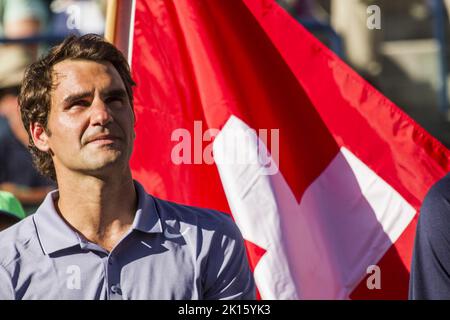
[170,252]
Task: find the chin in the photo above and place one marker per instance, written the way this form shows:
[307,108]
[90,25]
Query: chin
[105,161]
[105,170]
[109,162]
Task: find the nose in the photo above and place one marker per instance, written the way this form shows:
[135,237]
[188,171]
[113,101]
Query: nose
[100,114]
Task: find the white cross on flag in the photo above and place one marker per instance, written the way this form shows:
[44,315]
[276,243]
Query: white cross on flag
[240,109]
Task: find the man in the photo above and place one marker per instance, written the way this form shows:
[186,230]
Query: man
[18,19]
[23,18]
[100,236]
[7,220]
[17,174]
[11,210]
[430,268]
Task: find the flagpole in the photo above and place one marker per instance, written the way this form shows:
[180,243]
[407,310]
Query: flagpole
[119,25]
[111,15]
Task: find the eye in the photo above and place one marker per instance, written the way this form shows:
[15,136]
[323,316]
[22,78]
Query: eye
[78,104]
[114,99]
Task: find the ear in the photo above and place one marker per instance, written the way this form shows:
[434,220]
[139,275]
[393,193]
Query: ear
[40,136]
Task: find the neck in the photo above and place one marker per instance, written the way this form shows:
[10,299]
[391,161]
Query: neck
[101,209]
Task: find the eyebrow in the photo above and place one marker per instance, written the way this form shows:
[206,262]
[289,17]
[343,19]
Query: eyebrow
[115,93]
[77,96]
[85,94]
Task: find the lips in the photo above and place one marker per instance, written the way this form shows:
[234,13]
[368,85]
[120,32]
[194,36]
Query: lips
[102,139]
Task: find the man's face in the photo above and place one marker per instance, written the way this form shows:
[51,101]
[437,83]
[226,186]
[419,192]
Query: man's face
[91,120]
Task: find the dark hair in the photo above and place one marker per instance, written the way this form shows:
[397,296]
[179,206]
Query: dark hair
[38,84]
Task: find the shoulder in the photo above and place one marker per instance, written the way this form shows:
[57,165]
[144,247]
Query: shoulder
[441,188]
[439,195]
[16,240]
[5,131]
[206,219]
[435,209]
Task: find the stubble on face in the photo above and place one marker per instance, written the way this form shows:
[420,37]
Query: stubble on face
[91,119]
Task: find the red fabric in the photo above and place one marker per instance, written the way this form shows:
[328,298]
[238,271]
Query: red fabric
[206,60]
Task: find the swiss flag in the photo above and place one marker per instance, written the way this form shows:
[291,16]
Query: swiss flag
[329,210]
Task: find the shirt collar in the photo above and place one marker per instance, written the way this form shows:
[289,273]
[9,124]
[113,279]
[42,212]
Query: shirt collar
[55,234]
[147,217]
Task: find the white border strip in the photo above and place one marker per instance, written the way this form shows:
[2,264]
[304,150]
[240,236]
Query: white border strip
[131,35]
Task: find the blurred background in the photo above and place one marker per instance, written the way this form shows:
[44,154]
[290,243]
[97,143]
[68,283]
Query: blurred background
[406,59]
[405,55]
